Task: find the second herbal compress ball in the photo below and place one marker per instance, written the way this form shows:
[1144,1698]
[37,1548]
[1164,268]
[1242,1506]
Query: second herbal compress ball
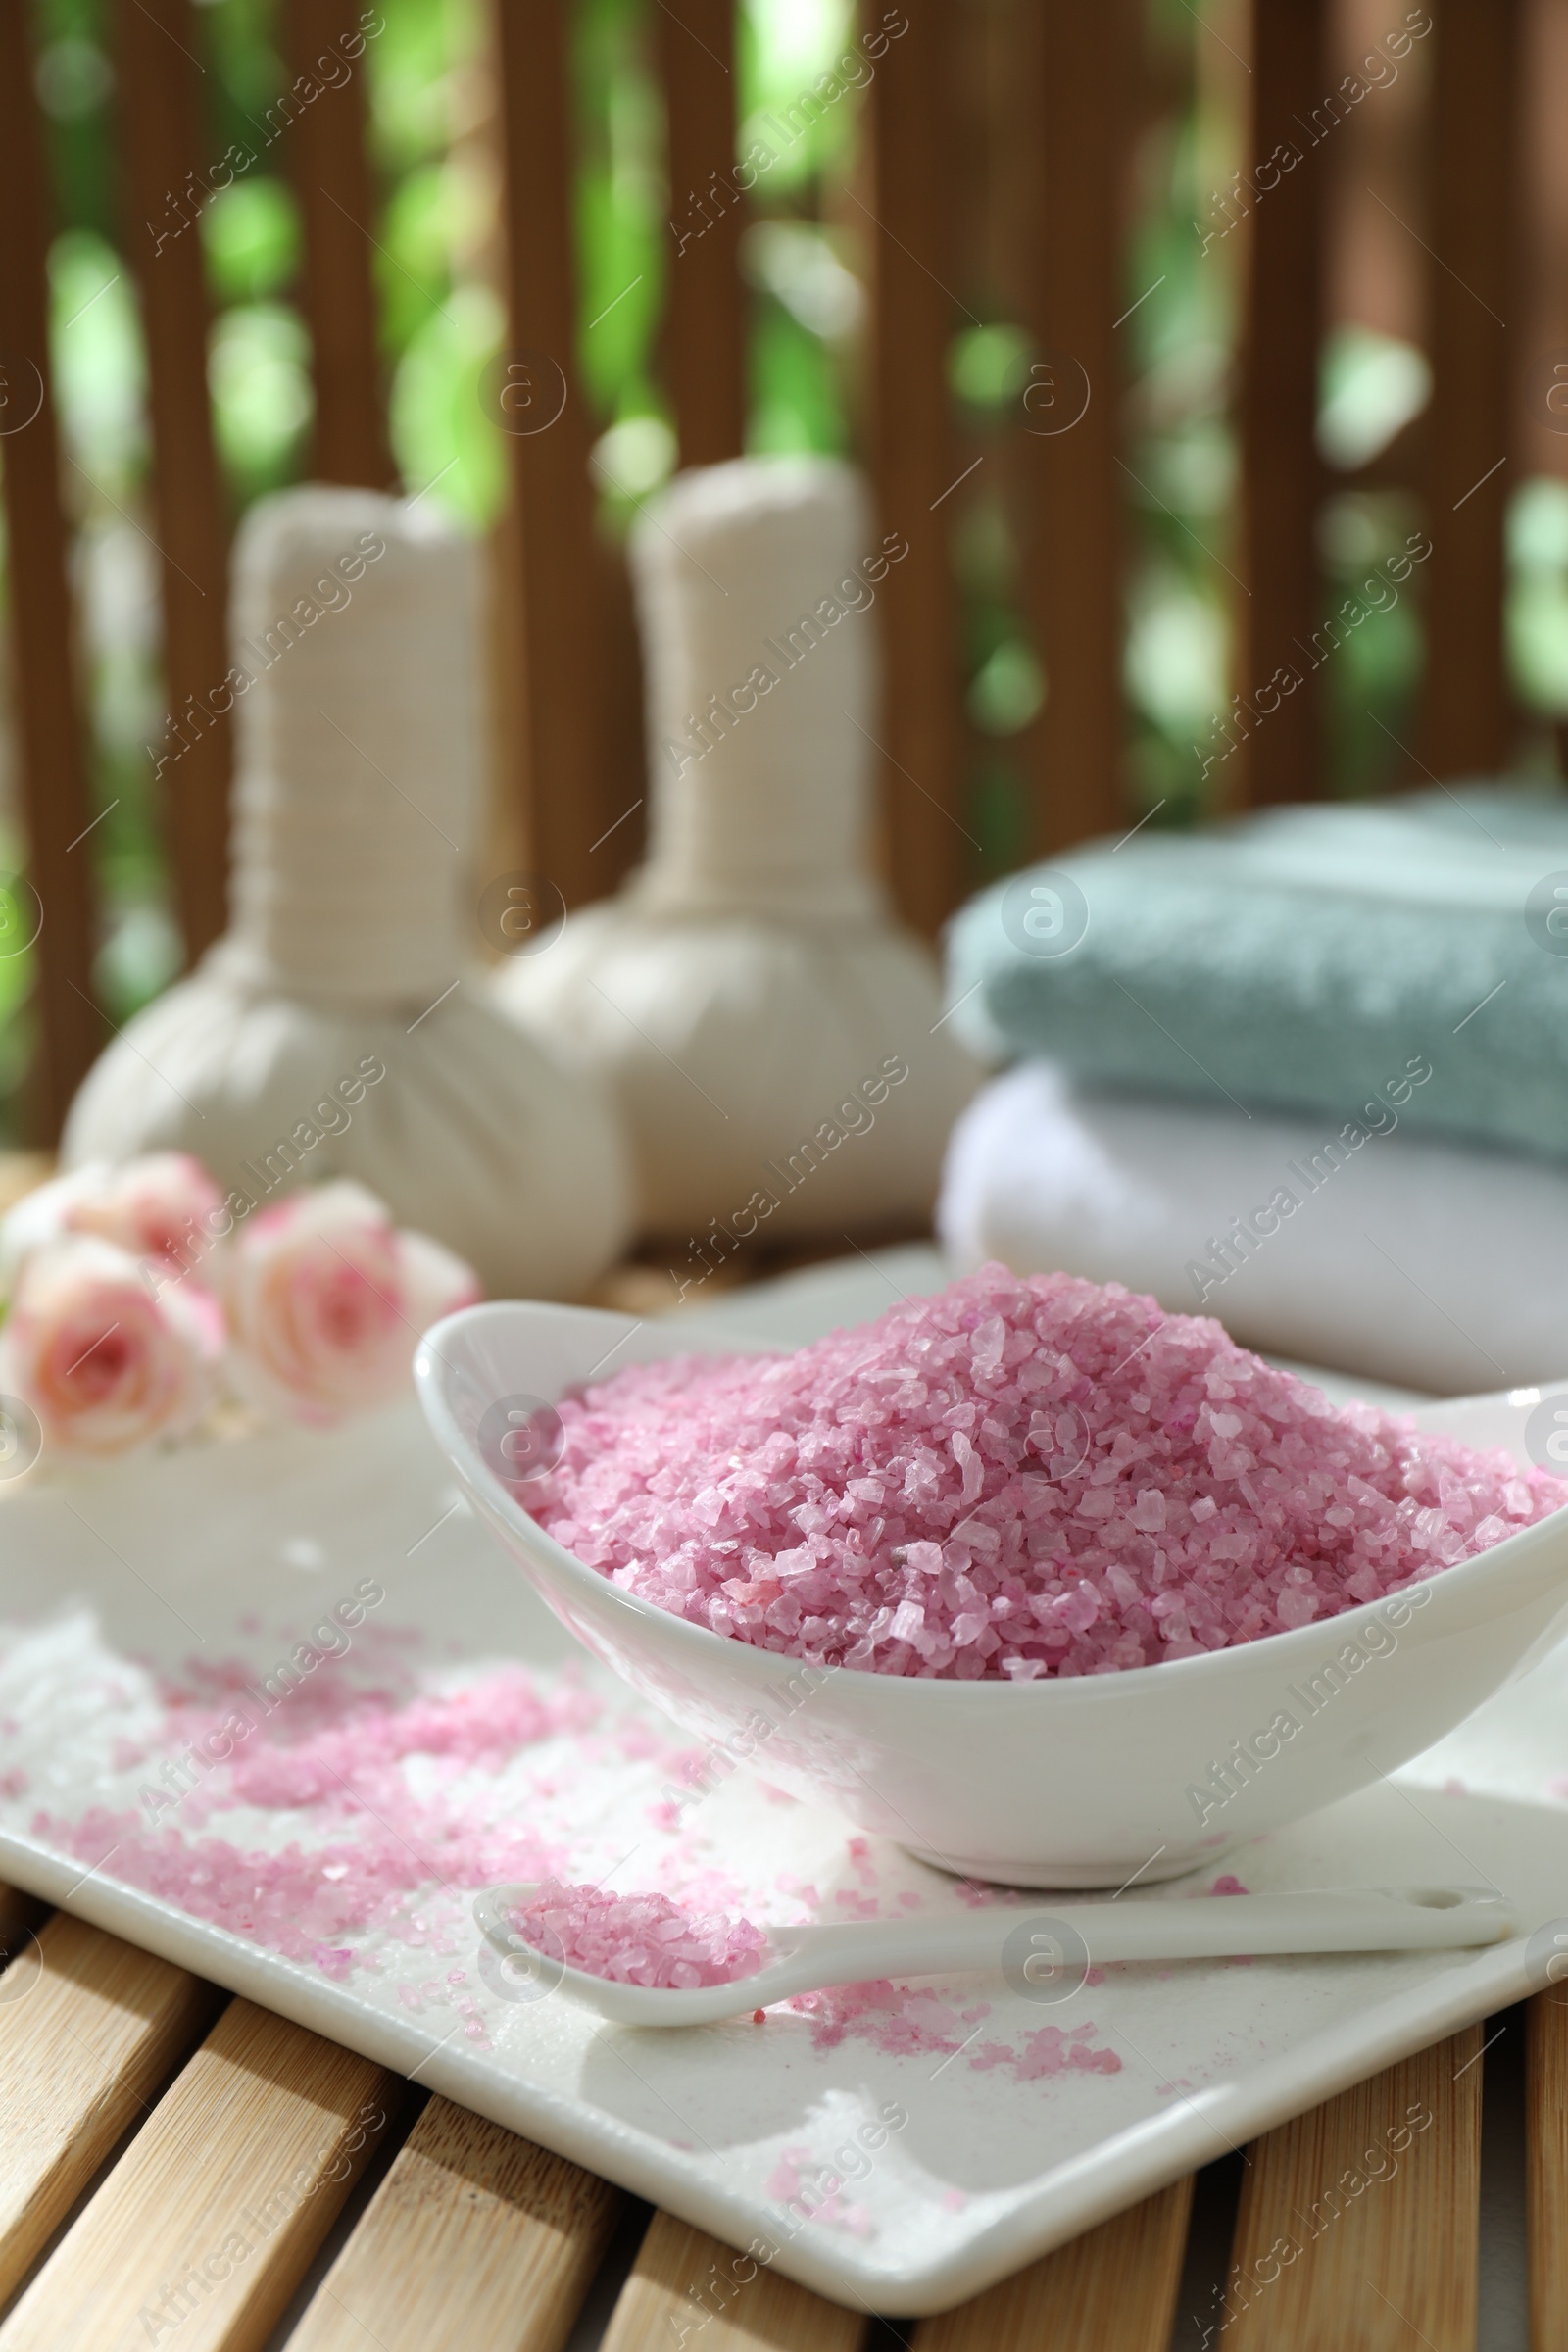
[769,1029]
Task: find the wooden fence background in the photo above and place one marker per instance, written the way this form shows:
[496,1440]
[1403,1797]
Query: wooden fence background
[1003,129]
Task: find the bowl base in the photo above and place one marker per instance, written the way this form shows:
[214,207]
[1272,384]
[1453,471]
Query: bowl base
[1068,1878]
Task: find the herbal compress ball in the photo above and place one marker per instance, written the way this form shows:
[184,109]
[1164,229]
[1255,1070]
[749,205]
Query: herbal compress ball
[773,1037]
[342,1026]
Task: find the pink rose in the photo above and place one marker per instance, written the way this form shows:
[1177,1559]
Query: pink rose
[161,1206]
[164,1205]
[103,1363]
[326,1299]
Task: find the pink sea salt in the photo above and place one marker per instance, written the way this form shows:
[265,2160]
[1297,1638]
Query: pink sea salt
[638,1938]
[1016,1478]
[1047,2051]
[905,2021]
[333,1763]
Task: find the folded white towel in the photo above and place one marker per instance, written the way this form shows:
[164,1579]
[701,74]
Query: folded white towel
[1442,1266]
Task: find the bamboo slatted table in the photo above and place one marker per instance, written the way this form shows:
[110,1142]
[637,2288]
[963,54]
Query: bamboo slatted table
[181,2168]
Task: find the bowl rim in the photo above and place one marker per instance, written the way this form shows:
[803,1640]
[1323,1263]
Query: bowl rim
[431,1371]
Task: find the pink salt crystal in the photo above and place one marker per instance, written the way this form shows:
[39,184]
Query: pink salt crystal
[891,1498]
[1045,2052]
[638,1938]
[1227,1884]
[903,2021]
[366,1842]
[892,2018]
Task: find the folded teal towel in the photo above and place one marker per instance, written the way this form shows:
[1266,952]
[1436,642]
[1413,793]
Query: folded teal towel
[1312,958]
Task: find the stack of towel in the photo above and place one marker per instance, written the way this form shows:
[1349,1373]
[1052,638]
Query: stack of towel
[1306,1072]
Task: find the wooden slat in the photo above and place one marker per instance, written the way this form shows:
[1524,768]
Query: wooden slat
[331,171]
[617,848]
[162,142]
[86,2037]
[475,2237]
[50,726]
[1279,606]
[1547,2168]
[555,753]
[685,2286]
[206,2225]
[1541,331]
[1111,2291]
[21,1915]
[704,310]
[907,223]
[1077,488]
[1471,231]
[1378,2267]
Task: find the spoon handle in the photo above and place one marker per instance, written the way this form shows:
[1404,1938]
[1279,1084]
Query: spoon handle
[1061,1939]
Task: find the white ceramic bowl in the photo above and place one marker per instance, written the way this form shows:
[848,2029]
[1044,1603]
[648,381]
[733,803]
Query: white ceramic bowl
[1079,1783]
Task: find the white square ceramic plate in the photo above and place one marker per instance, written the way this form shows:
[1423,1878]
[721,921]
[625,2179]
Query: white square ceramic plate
[965,2142]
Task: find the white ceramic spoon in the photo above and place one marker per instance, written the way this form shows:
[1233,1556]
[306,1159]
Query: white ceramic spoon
[1045,1953]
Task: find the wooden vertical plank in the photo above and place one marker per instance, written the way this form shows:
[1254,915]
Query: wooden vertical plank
[1541,334]
[548,548]
[89,2028]
[1072,418]
[684,2282]
[1111,2291]
[159,126]
[907,220]
[208,2223]
[323,49]
[50,720]
[1360,2222]
[475,2237]
[705,313]
[1277,608]
[1547,2168]
[622,836]
[1471,233]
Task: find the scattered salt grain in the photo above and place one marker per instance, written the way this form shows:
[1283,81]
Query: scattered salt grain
[1016,1478]
[905,2021]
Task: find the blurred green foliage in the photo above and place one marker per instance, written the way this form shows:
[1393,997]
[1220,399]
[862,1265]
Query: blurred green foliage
[441,321]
